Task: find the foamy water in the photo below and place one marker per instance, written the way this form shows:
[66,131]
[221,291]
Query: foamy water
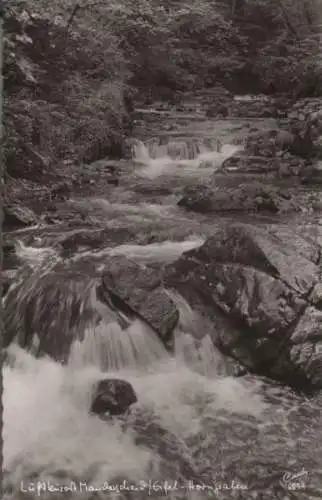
[167,251]
[208,161]
[50,435]
[203,415]
[191,420]
[110,347]
[35,256]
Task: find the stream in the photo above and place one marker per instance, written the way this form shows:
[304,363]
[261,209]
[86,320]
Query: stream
[196,431]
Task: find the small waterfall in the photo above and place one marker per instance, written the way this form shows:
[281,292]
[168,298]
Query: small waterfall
[181,149]
[193,344]
[57,313]
[111,348]
[181,157]
[140,153]
[113,345]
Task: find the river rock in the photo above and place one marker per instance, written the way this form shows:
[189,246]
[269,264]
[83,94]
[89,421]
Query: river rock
[306,109]
[219,110]
[253,108]
[9,257]
[243,163]
[7,279]
[296,138]
[269,142]
[306,345]
[285,165]
[262,281]
[113,396]
[17,216]
[244,198]
[313,175]
[61,191]
[138,290]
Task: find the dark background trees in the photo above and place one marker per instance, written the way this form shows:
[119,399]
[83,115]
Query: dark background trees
[72,70]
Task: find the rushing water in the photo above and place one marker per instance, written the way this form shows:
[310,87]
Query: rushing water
[181,158]
[196,432]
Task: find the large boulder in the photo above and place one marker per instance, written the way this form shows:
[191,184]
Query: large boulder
[113,396]
[137,289]
[262,281]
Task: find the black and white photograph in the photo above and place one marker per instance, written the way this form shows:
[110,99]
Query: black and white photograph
[161,250]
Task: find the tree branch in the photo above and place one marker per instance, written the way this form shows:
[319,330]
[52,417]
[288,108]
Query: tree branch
[71,19]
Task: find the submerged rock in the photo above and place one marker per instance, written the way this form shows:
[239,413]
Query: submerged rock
[262,281]
[113,396]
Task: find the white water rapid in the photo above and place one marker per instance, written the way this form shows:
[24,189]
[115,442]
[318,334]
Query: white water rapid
[176,158]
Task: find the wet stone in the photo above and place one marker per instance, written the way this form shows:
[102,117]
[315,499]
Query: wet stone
[113,396]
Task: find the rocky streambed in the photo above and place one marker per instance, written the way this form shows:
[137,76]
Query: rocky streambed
[191,271]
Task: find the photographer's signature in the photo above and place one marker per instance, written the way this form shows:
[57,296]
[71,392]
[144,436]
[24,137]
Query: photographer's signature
[295,481]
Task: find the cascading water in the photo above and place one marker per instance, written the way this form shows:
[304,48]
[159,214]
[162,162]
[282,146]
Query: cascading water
[111,347]
[196,432]
[181,149]
[180,157]
[60,442]
[49,434]
[193,344]
[190,425]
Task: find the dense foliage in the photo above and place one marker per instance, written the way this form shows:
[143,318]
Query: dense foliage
[284,43]
[72,68]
